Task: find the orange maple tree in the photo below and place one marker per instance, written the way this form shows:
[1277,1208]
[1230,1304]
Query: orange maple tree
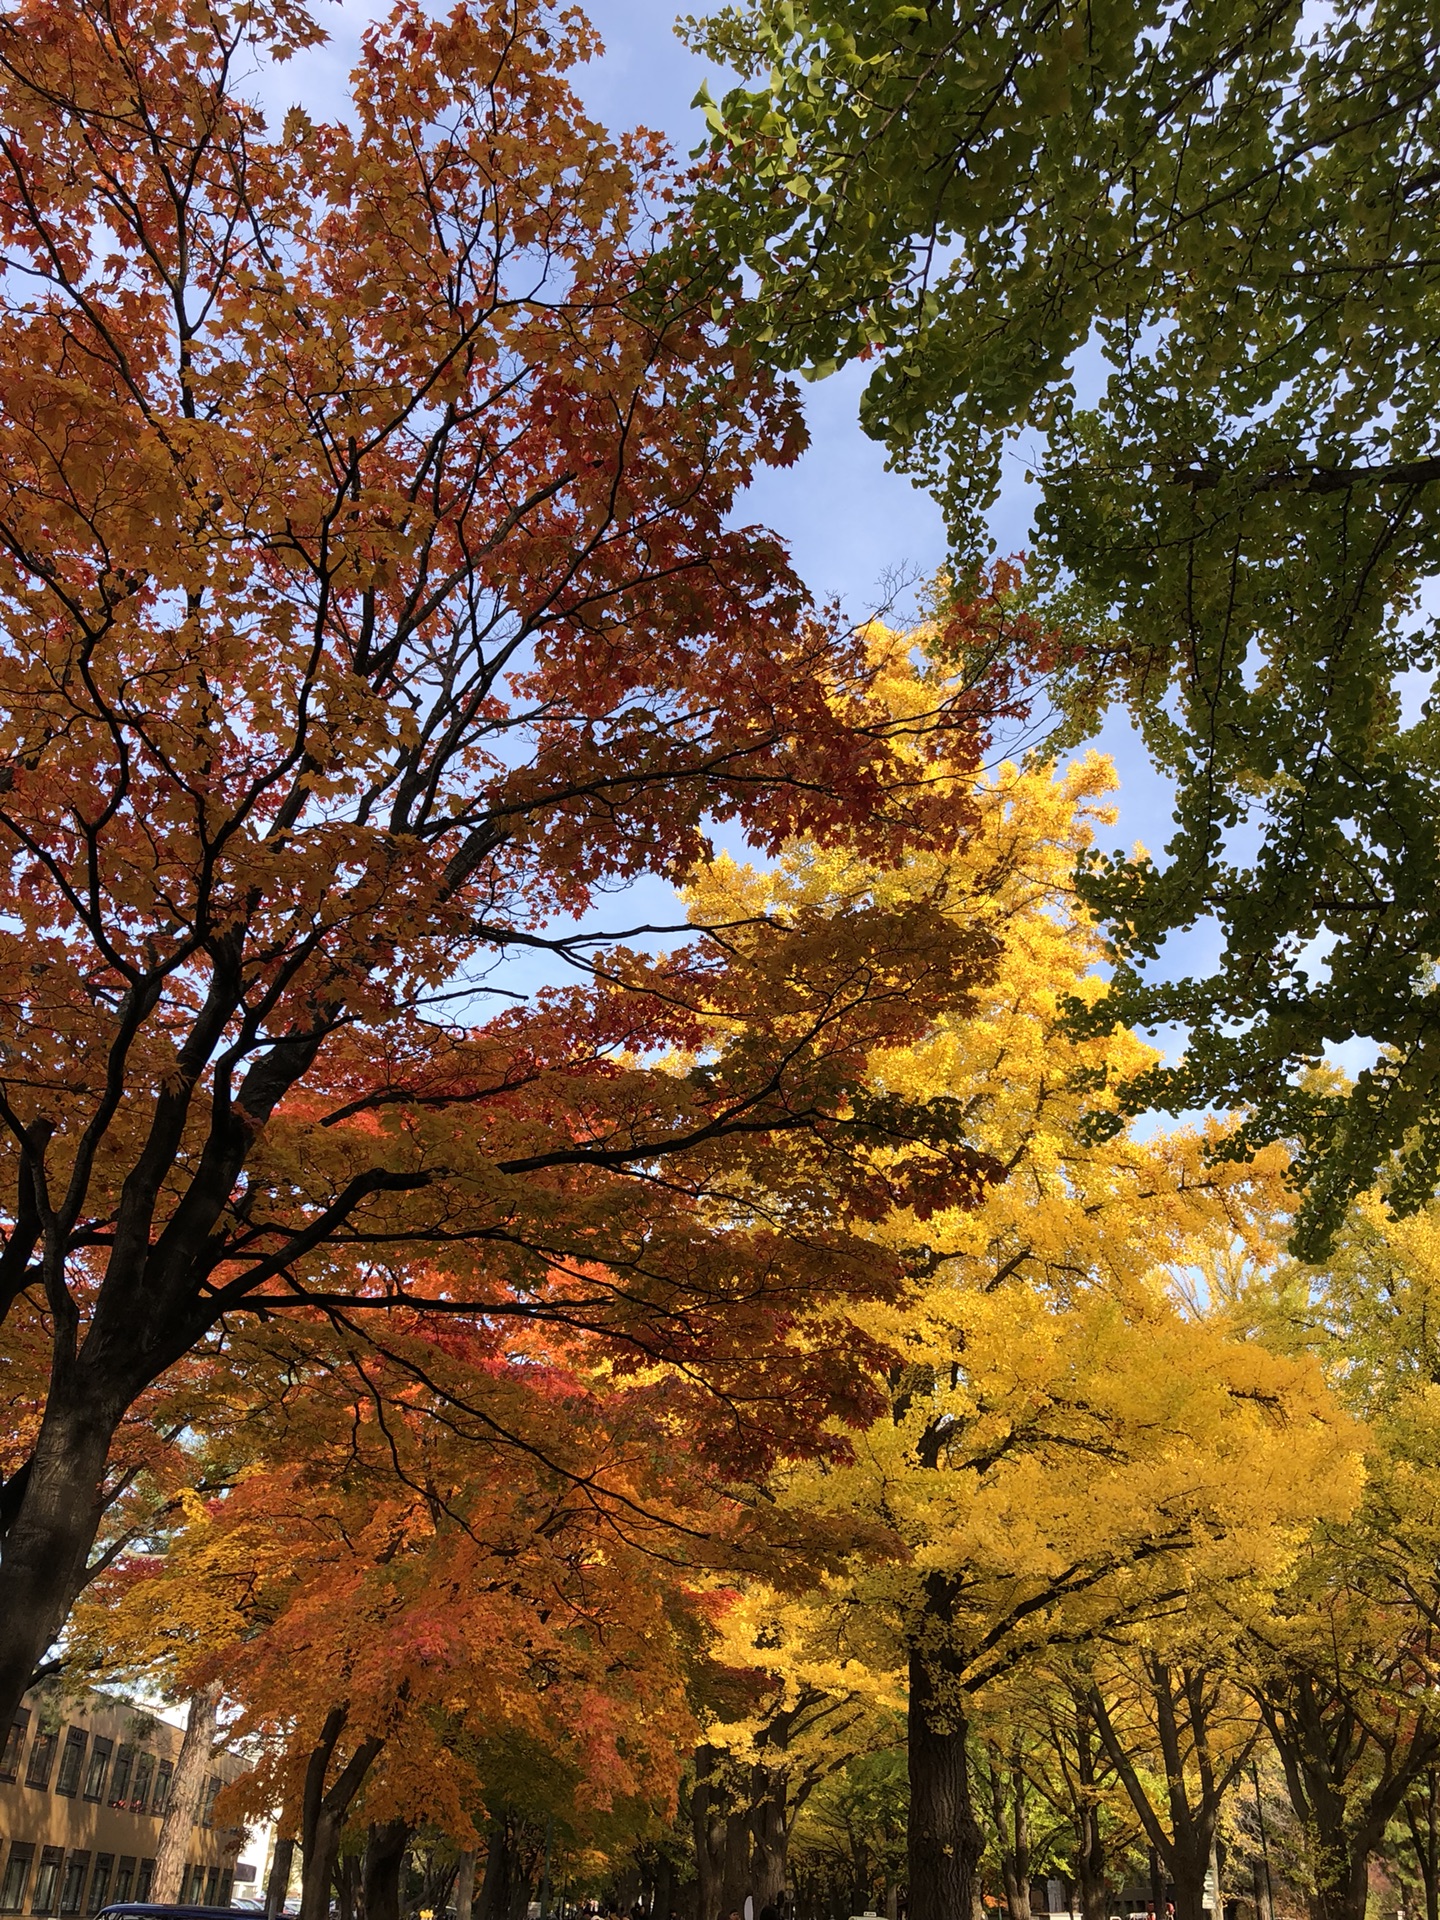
[447,1542]
[371,596]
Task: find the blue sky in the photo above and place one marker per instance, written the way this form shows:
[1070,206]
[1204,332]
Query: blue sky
[848,522]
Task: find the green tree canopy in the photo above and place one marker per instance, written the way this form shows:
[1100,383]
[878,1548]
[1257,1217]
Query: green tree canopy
[1226,212]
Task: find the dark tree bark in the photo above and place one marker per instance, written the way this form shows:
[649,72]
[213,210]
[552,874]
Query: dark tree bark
[944,1841]
[52,1525]
[465,1884]
[1182,1831]
[1347,1771]
[325,1809]
[1072,1786]
[1008,1792]
[722,1836]
[1090,1862]
[151,1309]
[664,1888]
[512,1861]
[381,1869]
[347,1885]
[1422,1823]
[770,1817]
[494,1900]
[278,1885]
[525,1851]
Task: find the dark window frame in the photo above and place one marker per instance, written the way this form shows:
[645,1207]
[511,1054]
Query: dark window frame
[14,1747]
[75,1743]
[22,1854]
[77,1860]
[120,1774]
[100,1752]
[43,1749]
[47,1880]
[100,1882]
[144,1879]
[124,1870]
[164,1778]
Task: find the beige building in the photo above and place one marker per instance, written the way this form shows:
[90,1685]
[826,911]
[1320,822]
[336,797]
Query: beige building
[83,1786]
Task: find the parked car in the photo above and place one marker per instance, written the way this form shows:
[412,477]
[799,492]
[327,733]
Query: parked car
[148,1910]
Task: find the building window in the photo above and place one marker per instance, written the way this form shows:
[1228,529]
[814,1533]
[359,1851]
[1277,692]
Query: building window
[212,1886]
[227,1887]
[42,1758]
[72,1887]
[47,1880]
[140,1786]
[14,1745]
[100,1880]
[162,1787]
[72,1761]
[100,1751]
[124,1876]
[120,1782]
[207,1811]
[17,1878]
[147,1876]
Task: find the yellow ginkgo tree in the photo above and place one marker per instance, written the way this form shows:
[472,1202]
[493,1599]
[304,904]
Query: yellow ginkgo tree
[1066,1446]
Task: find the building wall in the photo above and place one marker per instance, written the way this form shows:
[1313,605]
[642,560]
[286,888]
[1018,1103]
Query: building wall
[83,1786]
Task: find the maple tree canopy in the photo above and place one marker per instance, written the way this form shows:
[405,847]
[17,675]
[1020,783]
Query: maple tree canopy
[437,1543]
[371,597]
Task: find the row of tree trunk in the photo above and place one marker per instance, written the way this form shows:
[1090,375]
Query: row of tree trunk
[742,1816]
[370,1884]
[742,1821]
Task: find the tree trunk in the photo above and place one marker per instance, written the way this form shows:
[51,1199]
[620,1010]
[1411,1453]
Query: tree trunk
[769,1837]
[665,1888]
[325,1811]
[1090,1841]
[322,1852]
[1182,1715]
[465,1884]
[347,1886]
[380,1874]
[1012,1836]
[277,1887]
[1422,1818]
[1343,1891]
[1187,1875]
[1345,1791]
[49,1529]
[944,1841]
[709,1818]
[860,1888]
[495,1885]
[524,1870]
[187,1792]
[735,1881]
